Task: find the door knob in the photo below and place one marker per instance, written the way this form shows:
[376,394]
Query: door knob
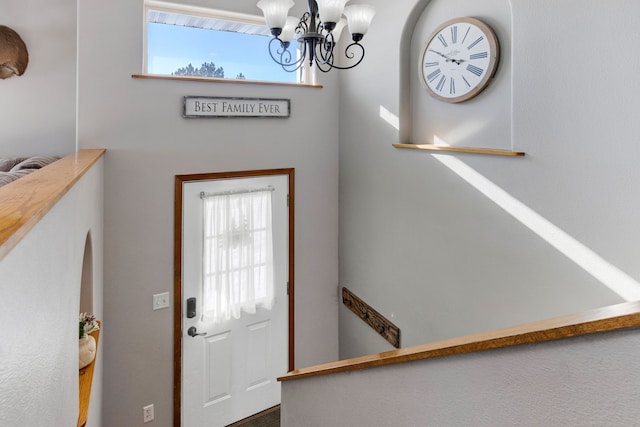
[193,332]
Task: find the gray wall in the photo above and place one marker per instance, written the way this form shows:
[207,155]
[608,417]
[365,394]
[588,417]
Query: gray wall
[583,381]
[418,242]
[37,109]
[41,277]
[40,281]
[148,142]
[440,258]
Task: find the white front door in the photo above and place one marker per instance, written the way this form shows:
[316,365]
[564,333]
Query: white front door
[229,372]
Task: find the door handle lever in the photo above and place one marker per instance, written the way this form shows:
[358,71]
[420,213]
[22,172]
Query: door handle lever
[193,332]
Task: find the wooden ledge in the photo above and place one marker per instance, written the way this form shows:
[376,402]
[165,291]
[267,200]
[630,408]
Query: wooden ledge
[217,80]
[85,378]
[25,201]
[611,318]
[491,151]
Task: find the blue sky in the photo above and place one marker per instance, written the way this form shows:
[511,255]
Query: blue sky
[171,47]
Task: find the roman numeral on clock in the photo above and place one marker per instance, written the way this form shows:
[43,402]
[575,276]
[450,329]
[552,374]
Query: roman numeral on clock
[452,86]
[475,70]
[441,83]
[478,55]
[454,34]
[478,40]
[442,40]
[466,34]
[430,64]
[432,75]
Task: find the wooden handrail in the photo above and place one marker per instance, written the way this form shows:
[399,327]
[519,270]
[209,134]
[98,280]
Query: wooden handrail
[25,201]
[611,318]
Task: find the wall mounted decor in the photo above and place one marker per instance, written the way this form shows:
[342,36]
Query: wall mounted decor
[214,106]
[459,59]
[456,79]
[14,57]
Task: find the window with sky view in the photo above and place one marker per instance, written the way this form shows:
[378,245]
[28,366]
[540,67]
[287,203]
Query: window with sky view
[171,47]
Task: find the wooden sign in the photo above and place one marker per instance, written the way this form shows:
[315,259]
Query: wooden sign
[207,106]
[383,326]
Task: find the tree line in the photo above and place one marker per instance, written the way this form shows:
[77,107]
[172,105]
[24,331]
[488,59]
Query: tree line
[207,69]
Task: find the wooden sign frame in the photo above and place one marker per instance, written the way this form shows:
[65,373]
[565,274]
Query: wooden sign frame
[215,107]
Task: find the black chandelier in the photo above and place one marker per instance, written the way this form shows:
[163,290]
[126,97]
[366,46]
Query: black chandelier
[317,32]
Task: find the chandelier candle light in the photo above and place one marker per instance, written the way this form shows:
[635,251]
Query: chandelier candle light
[317,32]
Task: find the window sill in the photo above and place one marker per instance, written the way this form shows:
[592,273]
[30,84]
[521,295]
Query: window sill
[214,80]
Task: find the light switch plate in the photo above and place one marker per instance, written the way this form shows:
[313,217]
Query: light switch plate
[147,413]
[161,301]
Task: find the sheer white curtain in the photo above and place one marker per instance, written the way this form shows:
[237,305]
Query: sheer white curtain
[237,254]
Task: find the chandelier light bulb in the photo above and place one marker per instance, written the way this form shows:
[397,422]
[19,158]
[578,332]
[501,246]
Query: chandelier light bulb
[359,18]
[275,13]
[289,29]
[331,10]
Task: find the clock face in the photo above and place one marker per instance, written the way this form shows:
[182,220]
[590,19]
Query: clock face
[459,59]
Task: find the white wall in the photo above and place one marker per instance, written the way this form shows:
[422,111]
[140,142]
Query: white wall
[418,242]
[40,278]
[39,306]
[472,123]
[37,109]
[440,258]
[588,380]
[148,142]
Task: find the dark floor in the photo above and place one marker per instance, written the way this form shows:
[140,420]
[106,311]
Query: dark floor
[268,418]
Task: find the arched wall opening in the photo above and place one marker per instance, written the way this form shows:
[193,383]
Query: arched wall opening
[484,121]
[86,280]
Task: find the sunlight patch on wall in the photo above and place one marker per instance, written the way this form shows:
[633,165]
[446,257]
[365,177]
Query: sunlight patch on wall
[609,275]
[389,117]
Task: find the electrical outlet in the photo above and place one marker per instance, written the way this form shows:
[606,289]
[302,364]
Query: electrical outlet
[147,413]
[161,301]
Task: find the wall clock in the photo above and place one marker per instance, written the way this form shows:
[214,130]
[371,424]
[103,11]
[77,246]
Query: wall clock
[459,59]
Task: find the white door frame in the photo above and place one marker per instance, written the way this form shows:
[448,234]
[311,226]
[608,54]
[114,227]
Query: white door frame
[177,276]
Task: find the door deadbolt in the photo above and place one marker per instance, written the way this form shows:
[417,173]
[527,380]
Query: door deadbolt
[191,308]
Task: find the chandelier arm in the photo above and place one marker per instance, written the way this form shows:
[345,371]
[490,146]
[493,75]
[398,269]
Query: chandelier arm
[326,46]
[302,24]
[351,55]
[324,51]
[324,56]
[322,60]
[319,66]
[285,56]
